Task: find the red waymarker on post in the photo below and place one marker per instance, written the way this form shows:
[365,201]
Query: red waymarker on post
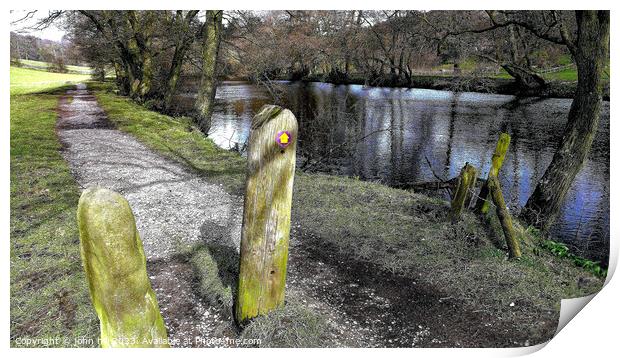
[283,138]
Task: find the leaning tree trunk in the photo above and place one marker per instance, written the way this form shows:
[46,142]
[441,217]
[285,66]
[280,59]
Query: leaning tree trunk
[208,81]
[139,50]
[526,78]
[173,76]
[590,53]
[177,59]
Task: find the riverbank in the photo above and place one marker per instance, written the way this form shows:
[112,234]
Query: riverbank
[389,239]
[464,83]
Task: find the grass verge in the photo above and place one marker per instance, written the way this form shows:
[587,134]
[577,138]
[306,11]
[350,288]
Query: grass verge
[44,66]
[25,80]
[50,303]
[400,232]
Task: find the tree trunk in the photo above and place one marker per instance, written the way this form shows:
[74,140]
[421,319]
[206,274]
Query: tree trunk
[526,78]
[266,213]
[122,79]
[173,77]
[181,47]
[514,49]
[147,74]
[590,53]
[139,50]
[208,81]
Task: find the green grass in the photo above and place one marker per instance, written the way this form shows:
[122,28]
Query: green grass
[24,80]
[397,231]
[565,75]
[40,65]
[49,293]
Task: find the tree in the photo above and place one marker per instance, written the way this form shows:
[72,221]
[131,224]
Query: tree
[211,36]
[131,34]
[586,36]
[589,46]
[184,39]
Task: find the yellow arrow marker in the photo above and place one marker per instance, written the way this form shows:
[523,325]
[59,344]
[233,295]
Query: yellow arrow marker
[284,138]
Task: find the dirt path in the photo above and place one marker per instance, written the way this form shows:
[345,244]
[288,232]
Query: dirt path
[174,207]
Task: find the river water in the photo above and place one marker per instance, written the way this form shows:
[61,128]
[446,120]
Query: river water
[387,134]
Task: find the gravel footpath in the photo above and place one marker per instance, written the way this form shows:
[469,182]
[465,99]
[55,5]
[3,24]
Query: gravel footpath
[172,207]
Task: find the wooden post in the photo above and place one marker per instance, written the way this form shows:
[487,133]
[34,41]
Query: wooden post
[115,268]
[504,217]
[482,204]
[465,183]
[266,212]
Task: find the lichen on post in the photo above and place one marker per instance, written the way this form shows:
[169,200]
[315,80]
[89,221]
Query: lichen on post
[115,267]
[482,204]
[465,183]
[514,250]
[266,212]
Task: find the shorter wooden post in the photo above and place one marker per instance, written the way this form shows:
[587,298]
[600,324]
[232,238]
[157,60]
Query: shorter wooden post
[115,267]
[482,204]
[266,213]
[505,219]
[465,183]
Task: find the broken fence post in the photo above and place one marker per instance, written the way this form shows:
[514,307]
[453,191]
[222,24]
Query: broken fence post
[465,183]
[505,219]
[266,212]
[115,267]
[482,204]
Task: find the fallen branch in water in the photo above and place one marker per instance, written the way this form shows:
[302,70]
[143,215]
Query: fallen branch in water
[450,183]
[427,185]
[432,185]
[308,165]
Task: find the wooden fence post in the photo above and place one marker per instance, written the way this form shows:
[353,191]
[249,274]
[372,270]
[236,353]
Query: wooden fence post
[266,212]
[115,267]
[465,183]
[504,217]
[482,204]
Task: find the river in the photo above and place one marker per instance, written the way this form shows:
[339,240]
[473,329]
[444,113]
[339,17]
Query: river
[387,134]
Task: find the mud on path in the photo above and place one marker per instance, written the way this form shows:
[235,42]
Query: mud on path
[173,207]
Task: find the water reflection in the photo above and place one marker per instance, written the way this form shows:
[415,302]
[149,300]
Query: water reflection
[402,127]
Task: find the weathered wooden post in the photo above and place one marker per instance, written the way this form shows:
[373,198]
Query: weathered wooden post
[482,204]
[504,217]
[266,212]
[465,183]
[115,267]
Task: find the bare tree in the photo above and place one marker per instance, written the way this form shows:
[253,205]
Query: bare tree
[211,36]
